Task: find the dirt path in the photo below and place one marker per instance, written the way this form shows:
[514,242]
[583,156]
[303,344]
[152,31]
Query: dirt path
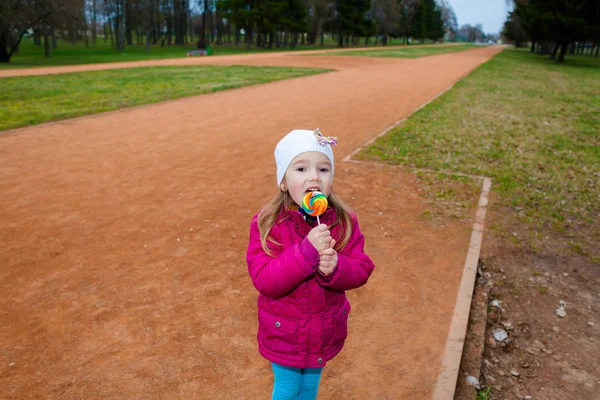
[122,266]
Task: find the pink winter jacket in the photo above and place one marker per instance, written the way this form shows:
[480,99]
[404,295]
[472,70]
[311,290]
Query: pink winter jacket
[303,315]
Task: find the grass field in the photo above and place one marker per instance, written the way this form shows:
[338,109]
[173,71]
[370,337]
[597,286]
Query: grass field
[35,99]
[532,126]
[409,52]
[67,53]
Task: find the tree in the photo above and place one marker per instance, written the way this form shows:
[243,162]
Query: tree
[16,18]
[559,24]
[386,14]
[407,12]
[116,17]
[427,22]
[449,18]
[153,17]
[513,30]
[351,18]
[202,39]
[471,33]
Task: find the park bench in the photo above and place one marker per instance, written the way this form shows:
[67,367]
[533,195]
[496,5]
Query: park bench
[200,52]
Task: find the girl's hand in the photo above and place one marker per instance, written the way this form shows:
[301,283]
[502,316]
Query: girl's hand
[329,259]
[320,237]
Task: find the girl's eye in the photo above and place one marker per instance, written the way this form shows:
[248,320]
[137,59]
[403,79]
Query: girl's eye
[301,169]
[324,170]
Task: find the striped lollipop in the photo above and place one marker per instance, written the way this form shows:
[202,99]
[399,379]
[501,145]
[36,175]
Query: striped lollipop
[314,204]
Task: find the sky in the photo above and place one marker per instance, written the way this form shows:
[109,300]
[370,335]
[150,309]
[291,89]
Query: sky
[490,13]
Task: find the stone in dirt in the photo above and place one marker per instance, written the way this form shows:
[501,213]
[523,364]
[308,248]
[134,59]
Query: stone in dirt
[560,311]
[500,334]
[472,381]
[535,347]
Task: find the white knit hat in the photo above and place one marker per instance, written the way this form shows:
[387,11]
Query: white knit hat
[301,141]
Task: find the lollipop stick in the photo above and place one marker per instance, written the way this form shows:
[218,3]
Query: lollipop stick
[318,220]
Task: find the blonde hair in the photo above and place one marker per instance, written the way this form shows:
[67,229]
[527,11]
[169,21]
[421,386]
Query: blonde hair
[283,201]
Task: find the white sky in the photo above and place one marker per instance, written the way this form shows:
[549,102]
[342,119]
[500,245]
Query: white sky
[490,13]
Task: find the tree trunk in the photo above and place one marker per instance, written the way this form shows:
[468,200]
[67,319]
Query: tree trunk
[110,32]
[227,29]
[554,51]
[249,38]
[118,21]
[597,49]
[219,28]
[121,36]
[169,36]
[94,22]
[202,39]
[85,27]
[213,27]
[148,36]
[4,55]
[563,51]
[128,24]
[340,40]
[314,26]
[47,48]
[36,37]
[72,31]
[176,27]
[532,46]
[53,35]
[8,41]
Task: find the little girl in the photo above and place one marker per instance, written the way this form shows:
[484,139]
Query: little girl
[302,269]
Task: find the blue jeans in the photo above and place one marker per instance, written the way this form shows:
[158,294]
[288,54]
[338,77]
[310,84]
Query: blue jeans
[295,383]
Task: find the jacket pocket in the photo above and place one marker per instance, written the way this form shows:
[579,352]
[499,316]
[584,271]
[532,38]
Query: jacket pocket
[341,324]
[278,334]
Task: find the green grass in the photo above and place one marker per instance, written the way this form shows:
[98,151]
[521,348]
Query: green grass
[532,126]
[68,53]
[484,394]
[35,99]
[409,52]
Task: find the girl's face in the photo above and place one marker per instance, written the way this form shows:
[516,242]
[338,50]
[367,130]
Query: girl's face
[308,172]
